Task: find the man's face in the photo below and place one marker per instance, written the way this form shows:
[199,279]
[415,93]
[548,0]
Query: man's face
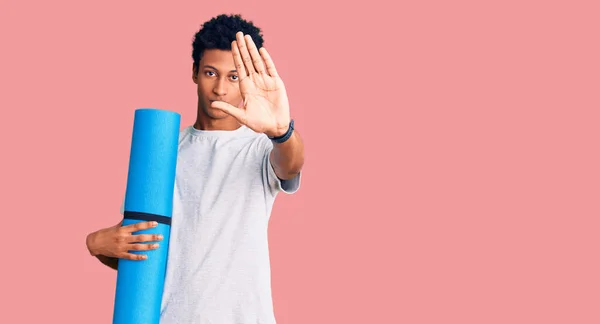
[217,79]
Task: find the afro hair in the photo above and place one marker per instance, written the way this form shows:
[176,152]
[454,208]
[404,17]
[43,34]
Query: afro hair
[219,32]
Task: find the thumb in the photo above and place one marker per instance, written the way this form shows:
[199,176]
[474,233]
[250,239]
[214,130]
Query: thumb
[237,113]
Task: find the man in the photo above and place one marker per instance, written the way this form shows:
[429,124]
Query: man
[239,154]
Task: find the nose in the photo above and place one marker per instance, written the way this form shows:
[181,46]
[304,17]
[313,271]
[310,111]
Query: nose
[220,87]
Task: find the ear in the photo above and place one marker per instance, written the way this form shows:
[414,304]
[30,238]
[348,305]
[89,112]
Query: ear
[194,74]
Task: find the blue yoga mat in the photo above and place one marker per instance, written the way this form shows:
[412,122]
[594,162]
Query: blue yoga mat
[149,196]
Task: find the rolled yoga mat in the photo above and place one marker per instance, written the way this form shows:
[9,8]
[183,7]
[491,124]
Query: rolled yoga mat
[148,197]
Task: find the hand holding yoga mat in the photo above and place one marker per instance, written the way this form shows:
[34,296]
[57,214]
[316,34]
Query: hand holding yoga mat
[149,197]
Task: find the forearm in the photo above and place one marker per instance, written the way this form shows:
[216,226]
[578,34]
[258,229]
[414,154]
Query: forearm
[112,263]
[288,157]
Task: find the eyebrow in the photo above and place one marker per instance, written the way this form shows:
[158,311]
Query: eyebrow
[214,68]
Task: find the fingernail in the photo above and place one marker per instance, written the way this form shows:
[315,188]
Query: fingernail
[154,223]
[144,257]
[155,246]
[160,237]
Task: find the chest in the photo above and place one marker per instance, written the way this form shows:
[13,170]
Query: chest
[215,171]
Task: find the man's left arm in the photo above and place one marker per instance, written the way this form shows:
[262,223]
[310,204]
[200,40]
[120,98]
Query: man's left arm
[288,157]
[265,106]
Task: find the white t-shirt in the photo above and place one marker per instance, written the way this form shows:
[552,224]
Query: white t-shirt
[218,268]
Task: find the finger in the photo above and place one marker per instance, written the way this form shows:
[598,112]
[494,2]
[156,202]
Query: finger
[145,238]
[139,226]
[143,247]
[268,62]
[257,60]
[237,60]
[237,113]
[243,48]
[134,257]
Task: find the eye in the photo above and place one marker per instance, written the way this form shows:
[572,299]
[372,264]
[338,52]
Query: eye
[209,73]
[234,77]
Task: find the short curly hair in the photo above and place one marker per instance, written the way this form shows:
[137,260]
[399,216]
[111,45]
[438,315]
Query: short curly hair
[219,32]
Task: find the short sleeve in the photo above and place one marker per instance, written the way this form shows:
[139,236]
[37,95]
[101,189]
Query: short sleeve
[289,186]
[122,209]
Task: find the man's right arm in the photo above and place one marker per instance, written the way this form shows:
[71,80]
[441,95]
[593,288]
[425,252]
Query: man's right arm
[112,263]
[110,244]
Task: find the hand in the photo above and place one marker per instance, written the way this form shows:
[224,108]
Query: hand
[265,104]
[117,241]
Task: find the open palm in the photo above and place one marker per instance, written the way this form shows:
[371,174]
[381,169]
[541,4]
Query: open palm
[265,106]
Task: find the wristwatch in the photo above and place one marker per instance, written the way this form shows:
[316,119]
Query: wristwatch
[284,137]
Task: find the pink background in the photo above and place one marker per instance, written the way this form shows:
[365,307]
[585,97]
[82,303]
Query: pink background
[452,154]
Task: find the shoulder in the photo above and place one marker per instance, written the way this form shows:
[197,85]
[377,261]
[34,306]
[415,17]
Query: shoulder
[184,132]
[259,142]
